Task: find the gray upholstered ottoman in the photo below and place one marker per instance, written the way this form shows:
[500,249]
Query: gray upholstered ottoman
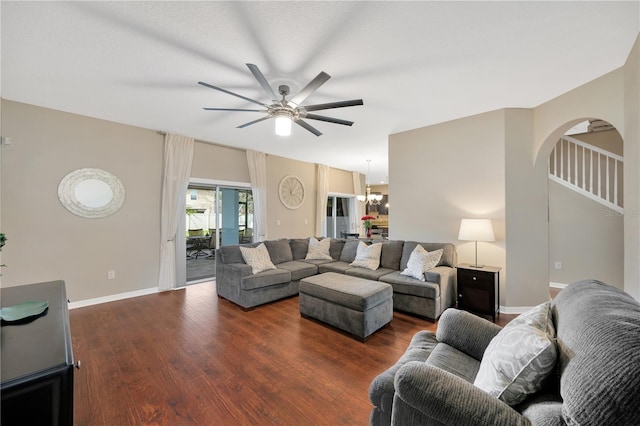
[355,305]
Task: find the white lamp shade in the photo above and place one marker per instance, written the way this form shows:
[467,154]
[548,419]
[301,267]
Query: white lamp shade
[361,198]
[283,125]
[476,230]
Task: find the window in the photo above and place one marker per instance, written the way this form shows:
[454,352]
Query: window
[339,216]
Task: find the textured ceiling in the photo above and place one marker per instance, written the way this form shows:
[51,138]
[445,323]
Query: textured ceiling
[413,63]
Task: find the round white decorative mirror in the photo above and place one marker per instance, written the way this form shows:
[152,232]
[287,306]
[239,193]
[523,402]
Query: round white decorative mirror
[91,193]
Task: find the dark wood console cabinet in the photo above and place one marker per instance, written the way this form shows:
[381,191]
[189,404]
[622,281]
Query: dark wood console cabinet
[37,359]
[479,289]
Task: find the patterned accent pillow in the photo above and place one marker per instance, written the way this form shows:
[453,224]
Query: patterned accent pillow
[368,256]
[258,258]
[319,249]
[519,358]
[421,261]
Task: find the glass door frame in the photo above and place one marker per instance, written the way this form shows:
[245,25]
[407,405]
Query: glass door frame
[181,244]
[353,209]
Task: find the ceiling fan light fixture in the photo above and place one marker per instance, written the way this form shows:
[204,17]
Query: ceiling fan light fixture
[283,125]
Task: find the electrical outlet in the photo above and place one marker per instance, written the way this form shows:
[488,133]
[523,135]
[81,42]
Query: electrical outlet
[558,265]
[111,275]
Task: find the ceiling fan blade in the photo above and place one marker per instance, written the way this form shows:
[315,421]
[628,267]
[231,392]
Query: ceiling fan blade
[235,109]
[309,89]
[263,82]
[211,86]
[308,127]
[328,119]
[341,104]
[242,126]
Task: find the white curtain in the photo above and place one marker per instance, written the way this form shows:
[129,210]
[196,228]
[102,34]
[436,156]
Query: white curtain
[178,156]
[357,190]
[258,175]
[321,200]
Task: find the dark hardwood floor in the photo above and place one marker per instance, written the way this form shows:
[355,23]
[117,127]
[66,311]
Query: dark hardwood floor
[186,357]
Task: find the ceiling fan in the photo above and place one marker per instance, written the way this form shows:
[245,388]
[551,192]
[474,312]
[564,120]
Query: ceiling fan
[285,111]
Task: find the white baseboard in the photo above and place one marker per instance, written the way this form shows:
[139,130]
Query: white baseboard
[557,285]
[514,309]
[113,297]
[523,309]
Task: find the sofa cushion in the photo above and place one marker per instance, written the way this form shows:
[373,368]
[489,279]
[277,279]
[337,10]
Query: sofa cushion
[454,361]
[391,254]
[257,257]
[448,253]
[335,248]
[337,266]
[299,269]
[421,261]
[519,358]
[319,250]
[369,274]
[299,247]
[349,251]
[411,286]
[598,330]
[265,279]
[279,251]
[368,256]
[232,254]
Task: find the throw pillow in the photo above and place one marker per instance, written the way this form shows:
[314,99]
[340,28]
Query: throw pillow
[518,359]
[421,261]
[368,256]
[319,250]
[258,258]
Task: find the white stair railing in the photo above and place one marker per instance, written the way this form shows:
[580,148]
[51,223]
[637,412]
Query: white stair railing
[591,171]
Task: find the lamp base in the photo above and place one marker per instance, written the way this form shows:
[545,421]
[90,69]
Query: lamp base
[477,266]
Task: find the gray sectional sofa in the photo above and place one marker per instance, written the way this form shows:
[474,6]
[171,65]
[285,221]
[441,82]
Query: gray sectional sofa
[236,282]
[594,380]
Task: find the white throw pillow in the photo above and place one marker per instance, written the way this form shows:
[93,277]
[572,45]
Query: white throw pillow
[368,256]
[519,358]
[421,261]
[258,258]
[319,250]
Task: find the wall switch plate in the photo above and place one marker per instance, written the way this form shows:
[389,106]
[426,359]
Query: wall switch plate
[558,265]
[111,275]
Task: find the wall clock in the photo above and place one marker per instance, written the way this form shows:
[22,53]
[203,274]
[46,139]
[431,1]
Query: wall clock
[291,192]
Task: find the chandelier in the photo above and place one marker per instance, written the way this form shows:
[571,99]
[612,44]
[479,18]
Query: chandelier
[371,199]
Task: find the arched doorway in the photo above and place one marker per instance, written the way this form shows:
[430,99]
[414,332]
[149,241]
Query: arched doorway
[586,199]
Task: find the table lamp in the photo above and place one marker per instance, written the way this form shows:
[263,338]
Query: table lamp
[476,230]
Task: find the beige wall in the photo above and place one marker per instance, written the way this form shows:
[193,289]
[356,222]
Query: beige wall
[46,242]
[441,174]
[615,98]
[609,140]
[495,165]
[219,162]
[631,135]
[282,222]
[587,237]
[526,215]
[340,181]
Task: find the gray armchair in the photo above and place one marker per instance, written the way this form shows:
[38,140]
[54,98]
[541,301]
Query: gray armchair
[595,380]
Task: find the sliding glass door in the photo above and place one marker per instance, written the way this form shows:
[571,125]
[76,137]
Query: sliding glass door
[215,216]
[340,220]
